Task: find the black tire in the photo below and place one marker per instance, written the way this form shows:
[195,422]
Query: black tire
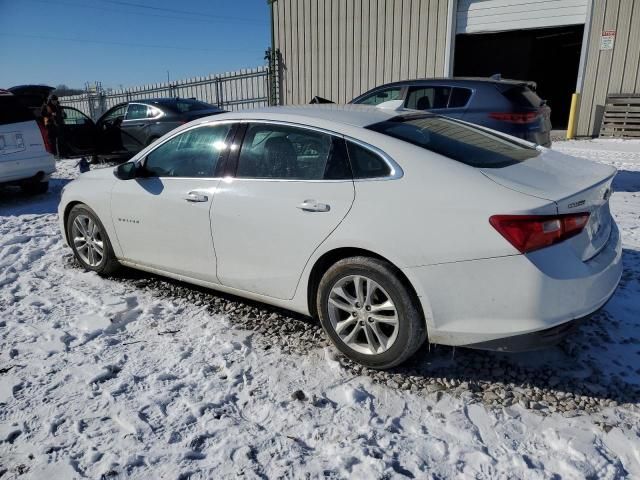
[412,331]
[108,264]
[35,188]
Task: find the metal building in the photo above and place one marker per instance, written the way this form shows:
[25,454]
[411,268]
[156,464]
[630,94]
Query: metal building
[338,49]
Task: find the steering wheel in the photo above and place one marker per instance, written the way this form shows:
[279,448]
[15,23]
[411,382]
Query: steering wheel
[311,147]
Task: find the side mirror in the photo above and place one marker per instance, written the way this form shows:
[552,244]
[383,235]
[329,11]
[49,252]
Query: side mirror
[126,171]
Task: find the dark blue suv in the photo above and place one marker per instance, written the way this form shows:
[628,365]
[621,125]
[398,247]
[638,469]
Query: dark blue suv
[509,106]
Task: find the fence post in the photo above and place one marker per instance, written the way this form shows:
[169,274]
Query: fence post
[273,75]
[219,100]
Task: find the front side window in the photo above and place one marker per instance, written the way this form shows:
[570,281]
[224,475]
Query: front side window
[290,153]
[115,114]
[194,153]
[381,96]
[463,143]
[74,117]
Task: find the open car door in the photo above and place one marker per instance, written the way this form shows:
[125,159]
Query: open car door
[110,141]
[79,134]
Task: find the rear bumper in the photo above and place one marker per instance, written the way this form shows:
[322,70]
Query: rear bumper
[489,303]
[534,340]
[15,171]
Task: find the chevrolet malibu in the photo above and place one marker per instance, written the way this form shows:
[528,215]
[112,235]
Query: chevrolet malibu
[391,226]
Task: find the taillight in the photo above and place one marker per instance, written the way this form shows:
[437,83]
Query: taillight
[533,232]
[45,138]
[524,117]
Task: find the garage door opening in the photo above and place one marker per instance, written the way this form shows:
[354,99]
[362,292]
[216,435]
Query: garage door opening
[548,56]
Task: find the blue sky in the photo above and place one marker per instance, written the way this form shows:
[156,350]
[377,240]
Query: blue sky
[128,42]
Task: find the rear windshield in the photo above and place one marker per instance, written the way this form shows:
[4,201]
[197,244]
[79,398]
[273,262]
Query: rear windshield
[463,143]
[12,111]
[523,97]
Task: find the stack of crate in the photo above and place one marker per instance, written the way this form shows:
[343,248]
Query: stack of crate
[621,116]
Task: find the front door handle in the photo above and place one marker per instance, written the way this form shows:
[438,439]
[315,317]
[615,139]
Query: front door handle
[196,197]
[314,206]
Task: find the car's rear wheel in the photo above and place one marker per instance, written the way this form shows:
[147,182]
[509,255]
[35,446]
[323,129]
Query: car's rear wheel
[35,188]
[89,241]
[369,313]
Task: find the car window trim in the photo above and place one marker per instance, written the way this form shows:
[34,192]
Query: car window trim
[141,161]
[155,117]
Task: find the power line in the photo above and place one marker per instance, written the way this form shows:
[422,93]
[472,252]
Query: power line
[210,21]
[172,10]
[123,44]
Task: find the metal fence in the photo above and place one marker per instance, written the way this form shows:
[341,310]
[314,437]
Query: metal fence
[247,88]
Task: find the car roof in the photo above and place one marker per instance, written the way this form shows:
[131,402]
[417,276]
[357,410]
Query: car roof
[460,81]
[354,115]
[163,100]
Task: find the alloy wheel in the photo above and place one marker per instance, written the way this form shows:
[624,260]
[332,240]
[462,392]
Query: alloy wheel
[363,314]
[88,240]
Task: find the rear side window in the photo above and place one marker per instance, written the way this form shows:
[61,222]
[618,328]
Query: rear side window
[463,143]
[523,97]
[459,97]
[365,163]
[12,111]
[426,98]
[273,151]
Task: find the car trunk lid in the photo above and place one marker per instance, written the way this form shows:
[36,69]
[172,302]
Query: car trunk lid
[574,185]
[525,100]
[32,96]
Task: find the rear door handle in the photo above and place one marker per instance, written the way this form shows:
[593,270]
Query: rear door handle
[314,206]
[196,197]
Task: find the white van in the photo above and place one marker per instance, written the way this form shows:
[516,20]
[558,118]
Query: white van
[26,157]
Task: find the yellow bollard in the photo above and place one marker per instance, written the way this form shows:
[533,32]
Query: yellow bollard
[573,116]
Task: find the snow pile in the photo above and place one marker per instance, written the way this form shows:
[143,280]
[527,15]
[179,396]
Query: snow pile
[102,379]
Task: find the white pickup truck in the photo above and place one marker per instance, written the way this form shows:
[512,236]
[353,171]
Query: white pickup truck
[26,157]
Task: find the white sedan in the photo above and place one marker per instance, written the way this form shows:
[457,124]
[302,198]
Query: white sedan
[391,226]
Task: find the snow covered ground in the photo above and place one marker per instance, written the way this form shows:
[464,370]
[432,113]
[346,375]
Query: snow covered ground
[133,377]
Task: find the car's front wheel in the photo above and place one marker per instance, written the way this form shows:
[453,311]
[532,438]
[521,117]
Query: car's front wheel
[89,241]
[369,313]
